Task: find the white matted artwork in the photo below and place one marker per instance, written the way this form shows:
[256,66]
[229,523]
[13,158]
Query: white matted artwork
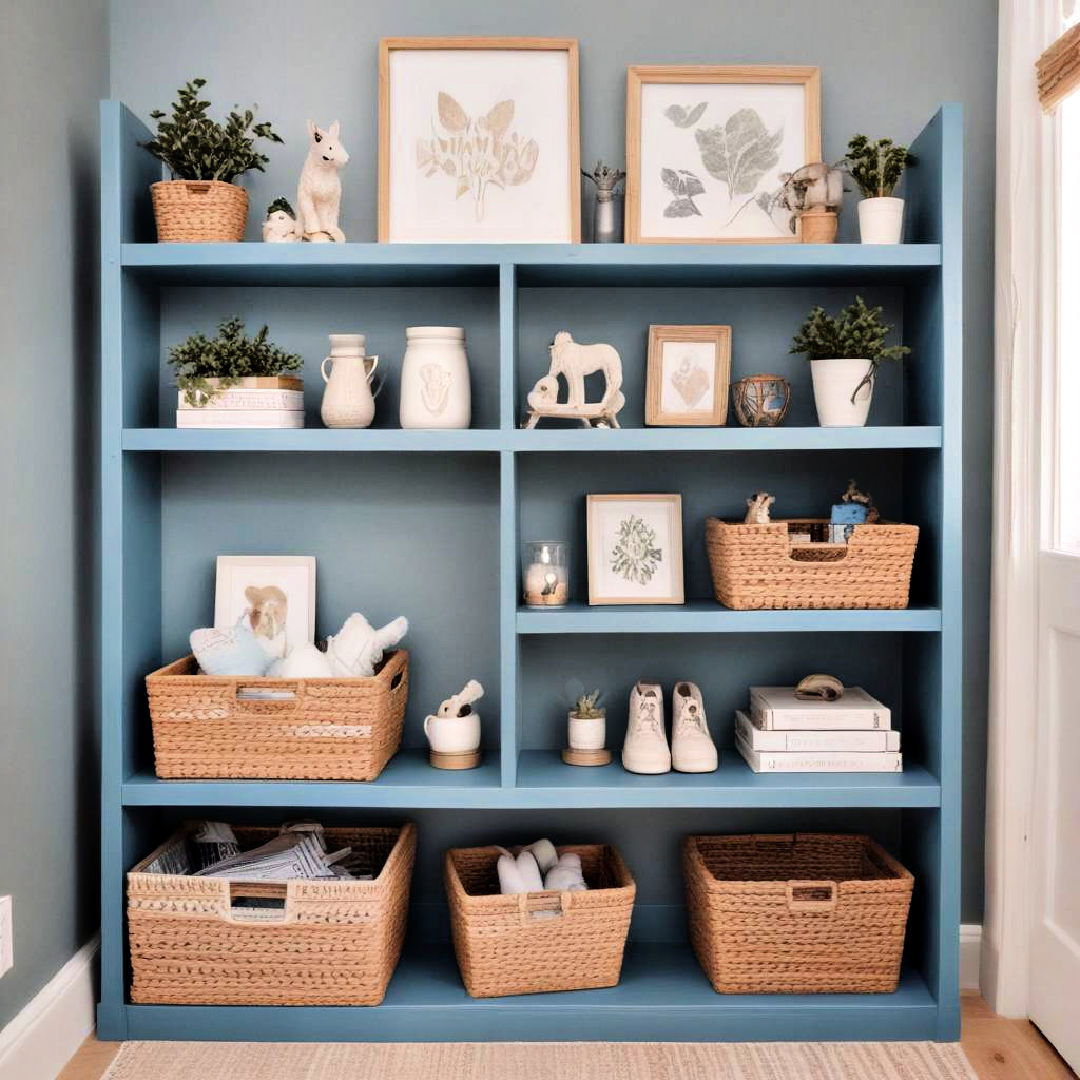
[689,370]
[635,549]
[478,140]
[707,148]
[274,594]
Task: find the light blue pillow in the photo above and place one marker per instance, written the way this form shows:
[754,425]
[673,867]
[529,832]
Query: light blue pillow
[229,652]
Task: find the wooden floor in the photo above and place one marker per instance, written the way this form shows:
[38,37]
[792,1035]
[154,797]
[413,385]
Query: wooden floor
[997,1048]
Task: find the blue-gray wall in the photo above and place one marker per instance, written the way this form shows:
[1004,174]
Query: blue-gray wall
[53,68]
[886,67]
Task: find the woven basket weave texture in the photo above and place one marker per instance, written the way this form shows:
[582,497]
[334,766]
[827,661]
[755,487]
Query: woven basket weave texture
[334,943]
[804,913]
[538,942]
[330,729]
[199,211]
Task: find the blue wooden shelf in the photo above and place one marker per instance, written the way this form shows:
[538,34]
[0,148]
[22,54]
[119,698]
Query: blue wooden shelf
[311,440]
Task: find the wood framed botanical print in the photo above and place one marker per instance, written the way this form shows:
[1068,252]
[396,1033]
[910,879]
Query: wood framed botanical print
[634,549]
[689,376]
[706,147]
[478,140]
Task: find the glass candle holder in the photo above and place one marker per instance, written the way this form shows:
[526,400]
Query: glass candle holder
[546,573]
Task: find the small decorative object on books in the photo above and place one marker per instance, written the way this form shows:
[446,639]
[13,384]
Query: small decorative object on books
[546,573]
[435,389]
[280,224]
[819,688]
[586,732]
[877,167]
[761,400]
[573,362]
[708,149]
[814,195]
[202,204]
[607,222]
[318,195]
[235,381]
[348,400]
[635,549]
[689,369]
[478,140]
[453,731]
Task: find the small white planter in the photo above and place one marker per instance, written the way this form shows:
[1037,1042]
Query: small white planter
[834,381]
[881,221]
[585,732]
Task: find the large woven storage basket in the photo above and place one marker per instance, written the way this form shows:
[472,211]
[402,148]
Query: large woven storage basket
[199,211]
[805,913]
[537,942]
[757,566]
[333,943]
[209,726]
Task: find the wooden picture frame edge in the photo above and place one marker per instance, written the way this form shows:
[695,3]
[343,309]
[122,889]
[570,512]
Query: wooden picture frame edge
[638,74]
[675,500]
[269,560]
[567,45]
[658,334]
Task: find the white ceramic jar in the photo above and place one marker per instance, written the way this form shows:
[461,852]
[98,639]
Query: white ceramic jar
[834,382]
[348,401]
[435,378]
[881,220]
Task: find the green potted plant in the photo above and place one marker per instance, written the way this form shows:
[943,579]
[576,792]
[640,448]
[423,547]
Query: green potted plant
[845,352]
[202,204]
[234,380]
[585,731]
[877,167]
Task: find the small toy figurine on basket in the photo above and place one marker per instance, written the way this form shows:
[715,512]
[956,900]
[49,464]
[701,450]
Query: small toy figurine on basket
[453,732]
[854,508]
[573,362]
[761,400]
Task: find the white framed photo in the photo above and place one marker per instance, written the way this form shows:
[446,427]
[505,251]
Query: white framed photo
[689,373]
[707,147]
[635,549]
[478,140]
[274,594]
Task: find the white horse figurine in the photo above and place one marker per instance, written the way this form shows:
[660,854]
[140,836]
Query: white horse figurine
[318,197]
[573,362]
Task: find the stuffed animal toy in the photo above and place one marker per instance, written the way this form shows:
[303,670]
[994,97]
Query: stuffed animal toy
[358,647]
[229,652]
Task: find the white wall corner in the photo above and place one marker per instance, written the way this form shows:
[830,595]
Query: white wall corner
[971,937]
[42,1038]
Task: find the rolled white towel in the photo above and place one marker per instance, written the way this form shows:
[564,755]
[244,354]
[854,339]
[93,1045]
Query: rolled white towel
[546,855]
[520,875]
[566,875]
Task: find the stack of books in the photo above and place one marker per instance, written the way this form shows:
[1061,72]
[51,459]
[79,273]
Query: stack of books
[783,733]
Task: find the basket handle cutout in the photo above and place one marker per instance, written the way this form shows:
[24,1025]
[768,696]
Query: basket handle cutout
[821,553]
[397,680]
[811,895]
[273,905]
[285,696]
[543,905]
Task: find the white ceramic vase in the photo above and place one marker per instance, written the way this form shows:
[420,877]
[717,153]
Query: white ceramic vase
[435,378]
[834,381]
[453,734]
[348,401]
[585,732]
[881,220]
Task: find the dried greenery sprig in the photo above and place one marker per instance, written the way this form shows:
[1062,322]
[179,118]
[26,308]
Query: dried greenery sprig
[194,147]
[876,166]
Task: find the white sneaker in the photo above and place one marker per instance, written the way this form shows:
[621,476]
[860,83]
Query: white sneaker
[692,748]
[645,749]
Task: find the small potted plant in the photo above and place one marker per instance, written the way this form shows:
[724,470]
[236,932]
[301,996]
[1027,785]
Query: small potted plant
[202,204]
[877,167]
[845,353]
[585,732]
[236,381]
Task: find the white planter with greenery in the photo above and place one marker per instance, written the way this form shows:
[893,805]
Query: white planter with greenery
[881,220]
[877,167]
[845,352]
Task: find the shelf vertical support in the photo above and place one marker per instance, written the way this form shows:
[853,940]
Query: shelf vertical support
[508,593]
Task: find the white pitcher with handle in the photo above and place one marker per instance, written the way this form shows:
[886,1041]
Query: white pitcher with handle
[348,400]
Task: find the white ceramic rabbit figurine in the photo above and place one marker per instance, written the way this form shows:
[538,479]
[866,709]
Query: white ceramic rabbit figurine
[318,197]
[355,650]
[453,705]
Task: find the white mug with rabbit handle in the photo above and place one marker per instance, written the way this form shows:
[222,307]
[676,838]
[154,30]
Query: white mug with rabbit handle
[348,400]
[453,734]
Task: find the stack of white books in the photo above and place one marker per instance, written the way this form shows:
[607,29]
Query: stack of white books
[243,407]
[783,733]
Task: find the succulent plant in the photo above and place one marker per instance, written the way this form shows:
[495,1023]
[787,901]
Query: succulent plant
[586,707]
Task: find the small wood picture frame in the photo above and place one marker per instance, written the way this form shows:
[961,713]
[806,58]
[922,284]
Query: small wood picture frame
[689,376]
[634,549]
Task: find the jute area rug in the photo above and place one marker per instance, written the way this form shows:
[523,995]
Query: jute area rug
[539,1061]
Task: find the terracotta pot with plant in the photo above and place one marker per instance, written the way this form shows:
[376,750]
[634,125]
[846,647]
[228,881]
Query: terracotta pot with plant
[877,167]
[845,352]
[202,204]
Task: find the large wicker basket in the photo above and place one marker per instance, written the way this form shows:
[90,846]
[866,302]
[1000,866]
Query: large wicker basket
[805,913]
[332,943]
[537,942]
[209,726]
[757,566]
[199,211]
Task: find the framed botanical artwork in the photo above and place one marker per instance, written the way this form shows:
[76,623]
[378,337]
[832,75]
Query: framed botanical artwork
[634,549]
[478,140]
[274,594]
[689,374]
[706,148]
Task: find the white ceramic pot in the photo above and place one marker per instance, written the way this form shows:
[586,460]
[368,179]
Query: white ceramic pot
[881,221]
[348,401]
[834,381]
[453,734]
[435,378]
[585,732]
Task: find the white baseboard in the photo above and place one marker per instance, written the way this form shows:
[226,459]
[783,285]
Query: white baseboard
[42,1038]
[970,953]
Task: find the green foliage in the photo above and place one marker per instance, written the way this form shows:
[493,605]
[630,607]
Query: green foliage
[876,166]
[231,356]
[195,147]
[281,203]
[856,333]
[586,707]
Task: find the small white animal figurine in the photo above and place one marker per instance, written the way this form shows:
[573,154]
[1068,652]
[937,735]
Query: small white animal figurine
[358,647]
[758,504]
[280,224]
[459,704]
[573,362]
[318,197]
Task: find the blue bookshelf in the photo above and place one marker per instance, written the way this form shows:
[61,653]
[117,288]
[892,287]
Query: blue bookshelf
[364,503]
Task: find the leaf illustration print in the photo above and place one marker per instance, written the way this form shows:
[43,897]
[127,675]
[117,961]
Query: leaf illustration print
[636,555]
[682,116]
[741,152]
[684,186]
[476,154]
